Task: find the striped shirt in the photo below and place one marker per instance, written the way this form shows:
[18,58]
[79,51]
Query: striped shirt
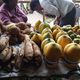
[14,16]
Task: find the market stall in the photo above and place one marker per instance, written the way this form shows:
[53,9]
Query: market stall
[31,71]
[40,53]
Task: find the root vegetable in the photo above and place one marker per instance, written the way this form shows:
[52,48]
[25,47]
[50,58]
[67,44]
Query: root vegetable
[37,54]
[20,55]
[27,31]
[28,52]
[3,42]
[12,29]
[6,54]
[21,25]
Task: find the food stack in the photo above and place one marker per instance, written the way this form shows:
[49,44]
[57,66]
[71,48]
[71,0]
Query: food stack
[20,44]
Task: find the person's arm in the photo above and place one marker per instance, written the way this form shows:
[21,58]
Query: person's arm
[50,8]
[5,19]
[21,13]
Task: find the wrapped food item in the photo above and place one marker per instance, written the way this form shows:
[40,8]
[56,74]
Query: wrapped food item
[28,51]
[4,40]
[37,54]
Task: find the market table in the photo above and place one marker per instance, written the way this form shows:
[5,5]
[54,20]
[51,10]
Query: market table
[35,16]
[42,71]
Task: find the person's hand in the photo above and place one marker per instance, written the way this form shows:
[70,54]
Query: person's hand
[57,20]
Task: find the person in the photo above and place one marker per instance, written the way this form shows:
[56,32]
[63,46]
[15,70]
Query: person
[64,10]
[10,12]
[1,2]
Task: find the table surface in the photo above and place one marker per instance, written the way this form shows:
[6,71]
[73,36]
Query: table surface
[35,16]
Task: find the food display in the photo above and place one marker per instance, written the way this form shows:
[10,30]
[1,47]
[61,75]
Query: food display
[23,48]
[57,38]
[72,54]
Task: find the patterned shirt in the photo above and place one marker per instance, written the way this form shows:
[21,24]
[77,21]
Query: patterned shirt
[14,16]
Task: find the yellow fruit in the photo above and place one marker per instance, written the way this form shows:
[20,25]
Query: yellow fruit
[60,33]
[75,28]
[78,31]
[31,34]
[72,52]
[43,26]
[54,27]
[46,30]
[71,55]
[70,32]
[52,52]
[36,27]
[45,41]
[37,38]
[54,33]
[47,35]
[76,40]
[64,40]
[73,36]
[67,28]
